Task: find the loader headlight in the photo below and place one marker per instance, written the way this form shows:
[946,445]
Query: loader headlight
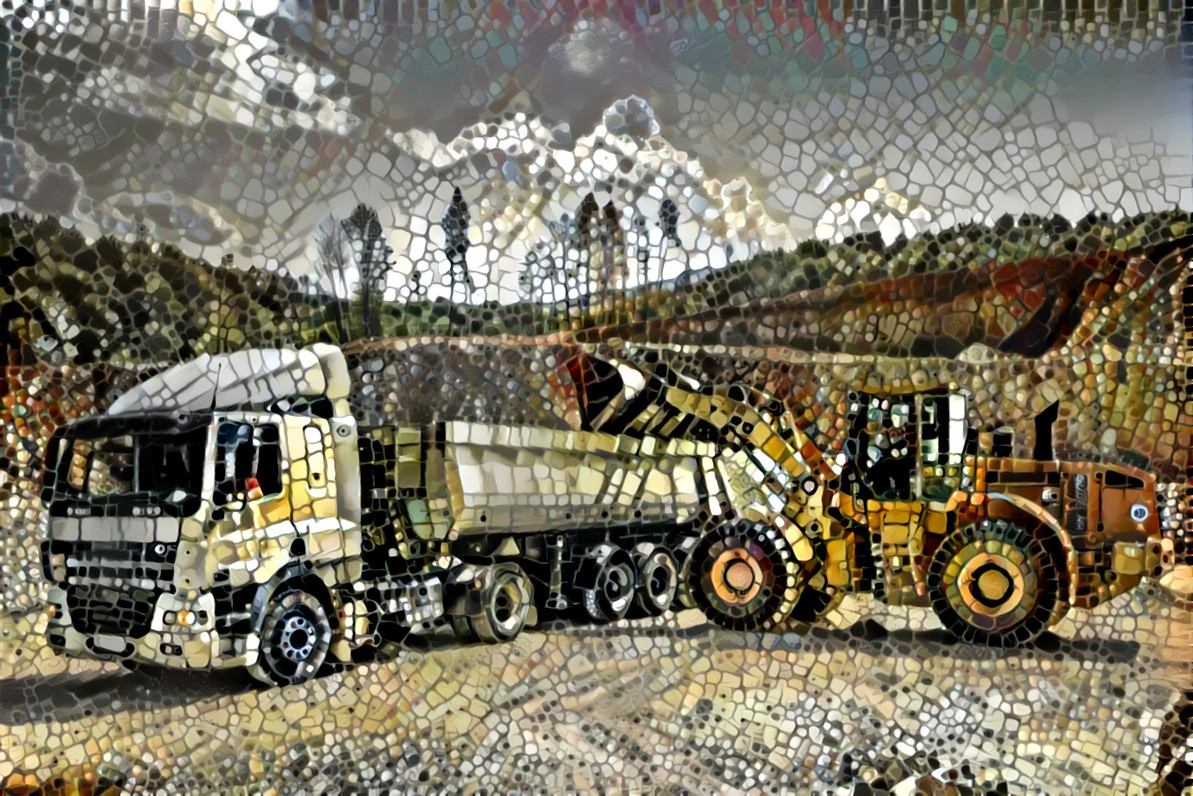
[1139,512]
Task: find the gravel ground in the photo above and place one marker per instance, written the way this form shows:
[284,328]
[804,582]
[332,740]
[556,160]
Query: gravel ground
[671,705]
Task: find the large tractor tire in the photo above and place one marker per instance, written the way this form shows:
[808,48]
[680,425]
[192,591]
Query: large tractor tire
[997,582]
[499,606]
[745,576]
[658,580]
[295,637]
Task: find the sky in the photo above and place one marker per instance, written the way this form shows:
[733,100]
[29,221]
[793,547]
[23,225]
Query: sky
[241,128]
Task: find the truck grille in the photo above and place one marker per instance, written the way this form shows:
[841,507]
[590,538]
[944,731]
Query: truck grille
[122,565]
[120,612]
[111,587]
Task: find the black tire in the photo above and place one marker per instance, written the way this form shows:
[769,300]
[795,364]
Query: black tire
[295,637]
[682,548]
[607,583]
[462,628]
[658,580]
[997,583]
[498,609]
[745,576]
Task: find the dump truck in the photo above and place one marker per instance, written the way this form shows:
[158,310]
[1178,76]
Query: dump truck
[290,510]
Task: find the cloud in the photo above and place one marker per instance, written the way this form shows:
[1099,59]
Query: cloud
[250,125]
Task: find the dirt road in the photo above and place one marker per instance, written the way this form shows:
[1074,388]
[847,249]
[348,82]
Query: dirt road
[642,707]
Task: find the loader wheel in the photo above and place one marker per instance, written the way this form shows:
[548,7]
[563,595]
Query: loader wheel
[996,583]
[746,576]
[295,637]
[607,583]
[499,606]
[658,579]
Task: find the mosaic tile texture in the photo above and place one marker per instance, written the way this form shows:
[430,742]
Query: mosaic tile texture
[583,397]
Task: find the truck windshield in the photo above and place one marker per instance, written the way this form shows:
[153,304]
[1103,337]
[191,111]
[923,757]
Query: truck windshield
[121,472]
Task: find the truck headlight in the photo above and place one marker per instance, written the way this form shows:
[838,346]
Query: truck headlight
[1139,512]
[53,566]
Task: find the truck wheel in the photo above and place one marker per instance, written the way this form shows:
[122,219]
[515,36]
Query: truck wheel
[607,583]
[658,579]
[995,583]
[682,549]
[295,637]
[746,577]
[502,604]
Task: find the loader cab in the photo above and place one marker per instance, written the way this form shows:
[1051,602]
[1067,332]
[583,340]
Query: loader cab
[907,447]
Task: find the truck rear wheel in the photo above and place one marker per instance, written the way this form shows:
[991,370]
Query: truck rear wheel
[607,583]
[658,579]
[746,576]
[295,637]
[995,583]
[682,549]
[501,604]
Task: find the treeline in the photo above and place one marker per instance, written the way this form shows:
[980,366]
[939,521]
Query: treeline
[65,300]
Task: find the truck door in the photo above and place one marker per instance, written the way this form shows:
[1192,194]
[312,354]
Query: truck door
[312,469]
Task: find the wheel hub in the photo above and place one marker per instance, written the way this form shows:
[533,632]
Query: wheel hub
[991,583]
[617,583]
[298,638]
[506,602]
[660,579]
[736,576]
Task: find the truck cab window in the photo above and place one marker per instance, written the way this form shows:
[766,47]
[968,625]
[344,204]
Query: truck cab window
[246,451]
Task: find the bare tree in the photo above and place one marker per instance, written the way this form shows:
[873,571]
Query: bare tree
[583,250]
[668,224]
[374,262]
[560,265]
[455,248]
[613,269]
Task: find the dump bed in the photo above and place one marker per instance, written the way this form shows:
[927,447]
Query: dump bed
[507,437]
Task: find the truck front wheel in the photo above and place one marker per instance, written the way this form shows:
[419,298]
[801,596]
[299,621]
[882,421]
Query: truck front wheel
[995,583]
[295,637]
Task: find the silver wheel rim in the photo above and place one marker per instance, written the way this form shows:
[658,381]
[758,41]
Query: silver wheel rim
[506,605]
[298,638]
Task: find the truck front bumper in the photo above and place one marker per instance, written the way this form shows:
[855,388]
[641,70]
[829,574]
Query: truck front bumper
[170,640]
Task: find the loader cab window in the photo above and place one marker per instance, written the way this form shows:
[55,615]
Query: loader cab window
[943,439]
[883,448]
[245,451]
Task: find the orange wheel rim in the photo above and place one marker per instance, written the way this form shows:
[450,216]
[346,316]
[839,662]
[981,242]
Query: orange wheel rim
[736,576]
